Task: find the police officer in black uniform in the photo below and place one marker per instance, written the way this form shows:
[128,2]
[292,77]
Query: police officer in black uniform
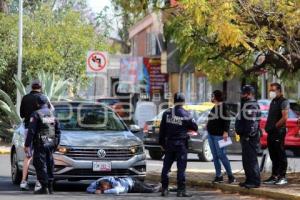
[276,129]
[173,137]
[44,134]
[247,126]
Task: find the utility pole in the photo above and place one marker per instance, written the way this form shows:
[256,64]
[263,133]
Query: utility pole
[20,52]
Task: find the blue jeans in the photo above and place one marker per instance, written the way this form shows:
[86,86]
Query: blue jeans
[219,154]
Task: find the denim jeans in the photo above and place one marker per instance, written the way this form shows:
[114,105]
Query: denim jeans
[219,154]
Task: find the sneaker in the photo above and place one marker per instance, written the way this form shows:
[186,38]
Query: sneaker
[24,186]
[281,181]
[37,186]
[231,179]
[271,181]
[218,179]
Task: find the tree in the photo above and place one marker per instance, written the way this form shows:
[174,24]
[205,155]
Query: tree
[223,38]
[126,13]
[54,40]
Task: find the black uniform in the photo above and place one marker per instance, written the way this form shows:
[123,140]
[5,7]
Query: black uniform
[173,137]
[247,126]
[276,136]
[44,134]
[28,106]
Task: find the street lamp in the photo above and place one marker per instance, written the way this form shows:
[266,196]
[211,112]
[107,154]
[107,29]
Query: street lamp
[20,52]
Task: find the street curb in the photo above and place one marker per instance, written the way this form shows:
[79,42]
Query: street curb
[228,188]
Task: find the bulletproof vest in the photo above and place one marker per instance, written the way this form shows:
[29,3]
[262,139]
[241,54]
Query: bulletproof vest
[46,130]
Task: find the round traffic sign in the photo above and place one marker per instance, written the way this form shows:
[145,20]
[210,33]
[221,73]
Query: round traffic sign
[97,61]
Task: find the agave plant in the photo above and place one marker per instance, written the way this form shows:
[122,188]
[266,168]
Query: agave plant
[53,87]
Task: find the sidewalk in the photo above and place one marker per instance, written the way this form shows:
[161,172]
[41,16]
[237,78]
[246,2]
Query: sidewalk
[203,180]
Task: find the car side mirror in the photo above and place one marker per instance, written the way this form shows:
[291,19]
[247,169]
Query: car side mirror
[134,128]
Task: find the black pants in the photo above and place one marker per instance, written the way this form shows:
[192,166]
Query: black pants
[174,153]
[250,162]
[277,152]
[140,187]
[44,163]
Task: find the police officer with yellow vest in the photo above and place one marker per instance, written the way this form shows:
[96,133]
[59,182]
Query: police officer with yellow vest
[44,136]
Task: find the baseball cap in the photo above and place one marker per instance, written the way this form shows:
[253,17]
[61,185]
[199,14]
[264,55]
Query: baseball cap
[248,89]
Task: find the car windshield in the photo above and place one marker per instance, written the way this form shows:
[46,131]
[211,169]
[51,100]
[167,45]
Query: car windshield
[88,118]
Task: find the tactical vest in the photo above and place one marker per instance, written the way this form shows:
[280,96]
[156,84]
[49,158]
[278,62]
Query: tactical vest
[46,129]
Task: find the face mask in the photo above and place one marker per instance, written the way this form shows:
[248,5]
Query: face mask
[272,94]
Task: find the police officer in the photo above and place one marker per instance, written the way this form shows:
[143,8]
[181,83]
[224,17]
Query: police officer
[276,129]
[173,137]
[247,126]
[44,135]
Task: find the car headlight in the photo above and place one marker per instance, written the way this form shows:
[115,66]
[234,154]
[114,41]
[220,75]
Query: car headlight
[62,150]
[137,149]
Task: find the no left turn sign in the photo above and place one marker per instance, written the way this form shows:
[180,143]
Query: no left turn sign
[96,62]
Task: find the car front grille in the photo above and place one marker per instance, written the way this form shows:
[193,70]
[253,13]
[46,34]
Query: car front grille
[92,154]
[89,172]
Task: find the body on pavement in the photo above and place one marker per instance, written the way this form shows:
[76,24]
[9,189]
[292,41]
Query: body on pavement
[115,185]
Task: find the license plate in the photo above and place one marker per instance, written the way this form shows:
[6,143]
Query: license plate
[101,166]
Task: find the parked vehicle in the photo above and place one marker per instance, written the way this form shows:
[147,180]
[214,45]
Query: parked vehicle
[95,142]
[198,143]
[292,139]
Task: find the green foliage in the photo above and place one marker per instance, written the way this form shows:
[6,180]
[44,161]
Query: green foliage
[222,37]
[53,86]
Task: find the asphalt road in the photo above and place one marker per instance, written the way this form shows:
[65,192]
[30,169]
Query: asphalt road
[66,190]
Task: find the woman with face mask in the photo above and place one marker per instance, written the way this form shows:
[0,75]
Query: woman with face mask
[218,127]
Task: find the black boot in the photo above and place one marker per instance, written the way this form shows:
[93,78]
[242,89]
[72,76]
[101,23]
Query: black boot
[182,193]
[42,190]
[50,187]
[164,192]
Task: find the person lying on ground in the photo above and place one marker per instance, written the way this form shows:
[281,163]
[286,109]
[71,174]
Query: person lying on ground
[113,185]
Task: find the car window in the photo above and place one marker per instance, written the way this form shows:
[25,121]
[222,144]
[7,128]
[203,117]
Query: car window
[89,119]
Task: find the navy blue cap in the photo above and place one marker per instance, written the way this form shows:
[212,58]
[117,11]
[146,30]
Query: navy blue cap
[248,89]
[179,98]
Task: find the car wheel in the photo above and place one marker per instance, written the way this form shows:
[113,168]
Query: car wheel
[156,155]
[205,155]
[16,173]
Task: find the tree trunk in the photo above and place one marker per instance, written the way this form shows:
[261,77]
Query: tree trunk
[3,6]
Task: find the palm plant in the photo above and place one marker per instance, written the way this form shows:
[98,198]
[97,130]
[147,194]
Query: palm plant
[54,87]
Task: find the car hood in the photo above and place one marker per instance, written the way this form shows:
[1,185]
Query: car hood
[98,139]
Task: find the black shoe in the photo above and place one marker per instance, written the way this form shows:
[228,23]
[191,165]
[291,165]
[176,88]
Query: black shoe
[165,192]
[231,179]
[183,194]
[42,190]
[281,181]
[242,184]
[251,186]
[271,181]
[50,187]
[218,180]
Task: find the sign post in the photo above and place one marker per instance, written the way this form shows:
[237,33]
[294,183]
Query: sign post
[96,62]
